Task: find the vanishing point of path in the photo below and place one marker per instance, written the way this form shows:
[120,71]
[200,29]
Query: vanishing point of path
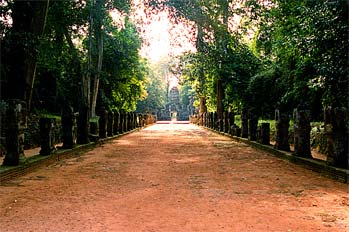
[174,177]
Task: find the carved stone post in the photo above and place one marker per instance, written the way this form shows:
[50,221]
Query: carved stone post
[215,121]
[134,120]
[68,127]
[131,121]
[46,136]
[252,125]
[75,126]
[142,121]
[83,125]
[231,118]
[138,120]
[226,121]
[94,129]
[15,125]
[116,123]
[282,124]
[265,133]
[302,129]
[110,124]
[125,122]
[121,122]
[103,120]
[244,123]
[207,119]
[336,127]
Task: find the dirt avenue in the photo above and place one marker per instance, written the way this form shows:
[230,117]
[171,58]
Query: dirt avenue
[174,177]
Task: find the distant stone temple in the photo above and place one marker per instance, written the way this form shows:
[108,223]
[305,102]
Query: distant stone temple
[174,110]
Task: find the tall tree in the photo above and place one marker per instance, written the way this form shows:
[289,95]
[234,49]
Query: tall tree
[29,18]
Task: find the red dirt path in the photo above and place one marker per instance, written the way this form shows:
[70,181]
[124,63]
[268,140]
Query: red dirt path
[174,178]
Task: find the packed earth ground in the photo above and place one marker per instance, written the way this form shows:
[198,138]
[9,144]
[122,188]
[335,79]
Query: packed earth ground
[174,177]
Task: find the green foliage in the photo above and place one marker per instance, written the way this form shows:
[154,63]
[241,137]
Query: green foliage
[298,54]
[123,71]
[265,101]
[307,40]
[64,50]
[57,58]
[156,95]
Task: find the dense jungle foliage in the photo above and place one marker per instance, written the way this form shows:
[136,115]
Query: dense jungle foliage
[266,54]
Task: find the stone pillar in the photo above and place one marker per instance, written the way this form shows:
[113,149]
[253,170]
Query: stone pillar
[134,120]
[14,128]
[237,131]
[231,118]
[226,122]
[83,125]
[282,124]
[146,118]
[125,122]
[110,124]
[138,120]
[206,120]
[252,125]
[215,121]
[302,129]
[94,128]
[265,133]
[336,129]
[103,120]
[46,136]
[142,120]
[121,122]
[67,127]
[220,124]
[129,121]
[244,123]
[116,123]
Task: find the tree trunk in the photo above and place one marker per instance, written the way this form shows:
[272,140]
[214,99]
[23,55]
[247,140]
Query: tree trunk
[222,44]
[201,77]
[99,39]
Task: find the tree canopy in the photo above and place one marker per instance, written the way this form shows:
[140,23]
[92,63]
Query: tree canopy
[266,54]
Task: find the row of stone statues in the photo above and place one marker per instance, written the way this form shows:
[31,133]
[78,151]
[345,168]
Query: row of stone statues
[249,125]
[107,124]
[336,128]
